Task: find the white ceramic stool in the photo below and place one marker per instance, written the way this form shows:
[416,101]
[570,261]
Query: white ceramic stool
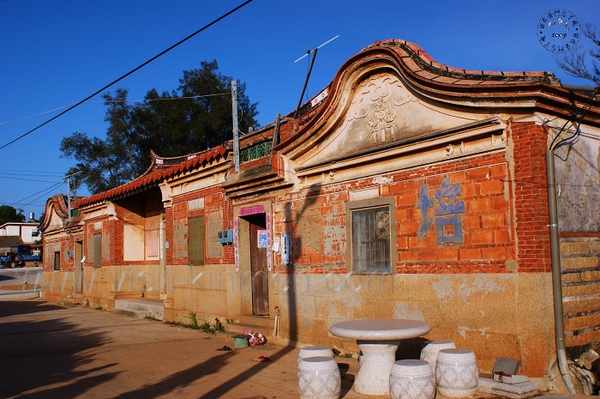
[314,351]
[319,378]
[430,351]
[456,373]
[412,379]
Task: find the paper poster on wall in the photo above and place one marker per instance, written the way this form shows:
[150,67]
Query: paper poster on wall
[236,250]
[268,224]
[285,248]
[262,239]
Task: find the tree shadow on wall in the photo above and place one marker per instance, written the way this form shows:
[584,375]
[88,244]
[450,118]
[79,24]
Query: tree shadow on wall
[295,238]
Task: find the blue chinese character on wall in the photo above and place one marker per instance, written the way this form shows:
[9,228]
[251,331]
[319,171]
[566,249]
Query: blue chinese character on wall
[448,211]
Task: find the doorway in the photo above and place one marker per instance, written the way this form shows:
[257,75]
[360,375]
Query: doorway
[78,268]
[259,273]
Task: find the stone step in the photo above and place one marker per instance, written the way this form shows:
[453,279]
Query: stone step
[134,313]
[140,308]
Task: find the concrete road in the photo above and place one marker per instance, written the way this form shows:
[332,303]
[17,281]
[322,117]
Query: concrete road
[54,352]
[49,351]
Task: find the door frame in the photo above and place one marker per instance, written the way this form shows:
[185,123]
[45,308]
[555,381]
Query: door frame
[78,267]
[242,223]
[259,272]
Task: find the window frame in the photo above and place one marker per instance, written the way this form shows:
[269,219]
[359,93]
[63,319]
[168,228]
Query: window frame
[200,250]
[95,249]
[367,204]
[56,261]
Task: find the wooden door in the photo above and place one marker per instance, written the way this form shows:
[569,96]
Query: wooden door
[258,266]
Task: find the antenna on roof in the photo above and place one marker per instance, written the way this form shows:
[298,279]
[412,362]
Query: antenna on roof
[313,54]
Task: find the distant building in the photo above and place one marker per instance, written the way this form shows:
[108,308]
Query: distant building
[8,241]
[28,231]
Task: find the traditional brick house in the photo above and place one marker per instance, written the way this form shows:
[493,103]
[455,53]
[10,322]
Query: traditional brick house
[62,250]
[405,189]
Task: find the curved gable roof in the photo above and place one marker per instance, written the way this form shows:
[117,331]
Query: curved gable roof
[158,171]
[422,79]
[55,205]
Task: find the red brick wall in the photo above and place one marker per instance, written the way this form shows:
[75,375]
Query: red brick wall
[504,223]
[487,233]
[214,201]
[169,234]
[531,197]
[487,236]
[62,244]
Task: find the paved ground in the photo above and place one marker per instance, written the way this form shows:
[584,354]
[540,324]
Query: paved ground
[49,351]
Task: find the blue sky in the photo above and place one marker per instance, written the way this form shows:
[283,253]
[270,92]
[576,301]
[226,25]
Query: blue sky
[56,53]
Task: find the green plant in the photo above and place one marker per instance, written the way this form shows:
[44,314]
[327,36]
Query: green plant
[193,321]
[207,328]
[212,328]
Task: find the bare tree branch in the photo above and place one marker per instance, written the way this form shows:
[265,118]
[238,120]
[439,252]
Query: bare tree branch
[583,62]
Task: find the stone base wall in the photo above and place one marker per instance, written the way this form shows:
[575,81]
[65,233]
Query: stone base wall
[210,291]
[57,285]
[496,315]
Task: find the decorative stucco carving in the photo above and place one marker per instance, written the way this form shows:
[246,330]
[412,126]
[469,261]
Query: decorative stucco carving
[376,104]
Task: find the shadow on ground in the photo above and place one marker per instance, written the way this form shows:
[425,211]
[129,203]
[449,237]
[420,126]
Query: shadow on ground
[37,355]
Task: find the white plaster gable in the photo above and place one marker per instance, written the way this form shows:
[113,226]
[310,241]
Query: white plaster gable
[56,223]
[381,111]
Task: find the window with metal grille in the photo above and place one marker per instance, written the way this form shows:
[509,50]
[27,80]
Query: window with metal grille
[255,151]
[371,233]
[57,260]
[196,241]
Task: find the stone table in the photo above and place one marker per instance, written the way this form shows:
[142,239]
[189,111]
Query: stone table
[378,340]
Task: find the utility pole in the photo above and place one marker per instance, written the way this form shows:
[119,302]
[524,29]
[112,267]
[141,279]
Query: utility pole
[68,181]
[236,139]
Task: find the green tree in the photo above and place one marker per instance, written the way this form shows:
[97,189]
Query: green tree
[583,62]
[10,214]
[195,117]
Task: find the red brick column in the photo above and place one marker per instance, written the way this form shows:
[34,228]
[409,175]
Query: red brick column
[531,197]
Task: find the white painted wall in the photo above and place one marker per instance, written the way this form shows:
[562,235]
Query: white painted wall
[27,231]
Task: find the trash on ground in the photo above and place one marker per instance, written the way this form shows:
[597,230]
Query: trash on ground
[254,339]
[240,341]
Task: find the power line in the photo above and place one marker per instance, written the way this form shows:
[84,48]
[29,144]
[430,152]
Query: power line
[115,102]
[30,173]
[127,74]
[25,179]
[39,194]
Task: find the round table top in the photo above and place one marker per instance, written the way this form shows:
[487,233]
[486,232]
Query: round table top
[380,329]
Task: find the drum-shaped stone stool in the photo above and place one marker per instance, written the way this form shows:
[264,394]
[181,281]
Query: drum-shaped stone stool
[319,378]
[314,351]
[412,379]
[430,352]
[456,373]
